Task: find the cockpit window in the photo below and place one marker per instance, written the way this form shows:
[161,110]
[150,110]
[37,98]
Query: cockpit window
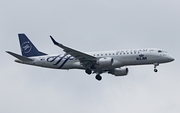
[159,51]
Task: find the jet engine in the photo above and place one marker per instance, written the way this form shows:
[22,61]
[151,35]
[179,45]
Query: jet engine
[120,71]
[105,62]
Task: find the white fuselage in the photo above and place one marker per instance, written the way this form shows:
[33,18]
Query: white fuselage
[121,58]
[111,62]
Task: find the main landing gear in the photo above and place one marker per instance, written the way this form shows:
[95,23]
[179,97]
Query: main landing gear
[98,77]
[88,71]
[155,66]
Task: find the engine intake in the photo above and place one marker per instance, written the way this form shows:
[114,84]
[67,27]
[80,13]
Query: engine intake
[104,62]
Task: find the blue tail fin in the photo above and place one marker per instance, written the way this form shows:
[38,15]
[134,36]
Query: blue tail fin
[27,47]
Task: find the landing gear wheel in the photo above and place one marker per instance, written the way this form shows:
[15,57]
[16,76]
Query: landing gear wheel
[88,71]
[98,77]
[155,70]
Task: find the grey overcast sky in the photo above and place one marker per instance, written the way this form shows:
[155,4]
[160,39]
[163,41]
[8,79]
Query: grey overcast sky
[90,25]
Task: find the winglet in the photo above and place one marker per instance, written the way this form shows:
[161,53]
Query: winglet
[55,43]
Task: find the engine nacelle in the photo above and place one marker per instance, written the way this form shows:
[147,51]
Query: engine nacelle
[120,71]
[105,62]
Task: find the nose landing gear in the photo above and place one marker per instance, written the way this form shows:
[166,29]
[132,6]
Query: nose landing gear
[155,70]
[155,66]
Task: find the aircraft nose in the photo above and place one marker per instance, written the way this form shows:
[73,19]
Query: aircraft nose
[171,59]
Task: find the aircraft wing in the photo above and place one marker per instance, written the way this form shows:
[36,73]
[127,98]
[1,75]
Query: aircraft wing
[75,53]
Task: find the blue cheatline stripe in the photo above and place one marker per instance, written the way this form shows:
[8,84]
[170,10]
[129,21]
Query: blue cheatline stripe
[54,58]
[64,62]
[59,60]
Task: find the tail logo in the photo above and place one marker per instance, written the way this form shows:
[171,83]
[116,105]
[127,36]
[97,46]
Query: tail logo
[26,47]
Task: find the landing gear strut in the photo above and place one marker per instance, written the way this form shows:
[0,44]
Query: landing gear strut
[98,77]
[88,71]
[155,66]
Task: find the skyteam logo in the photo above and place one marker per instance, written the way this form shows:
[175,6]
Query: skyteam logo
[26,47]
[141,57]
[60,60]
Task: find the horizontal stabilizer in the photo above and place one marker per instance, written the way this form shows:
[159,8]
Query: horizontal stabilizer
[22,58]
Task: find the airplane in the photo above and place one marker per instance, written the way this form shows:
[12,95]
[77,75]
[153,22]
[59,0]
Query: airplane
[112,62]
